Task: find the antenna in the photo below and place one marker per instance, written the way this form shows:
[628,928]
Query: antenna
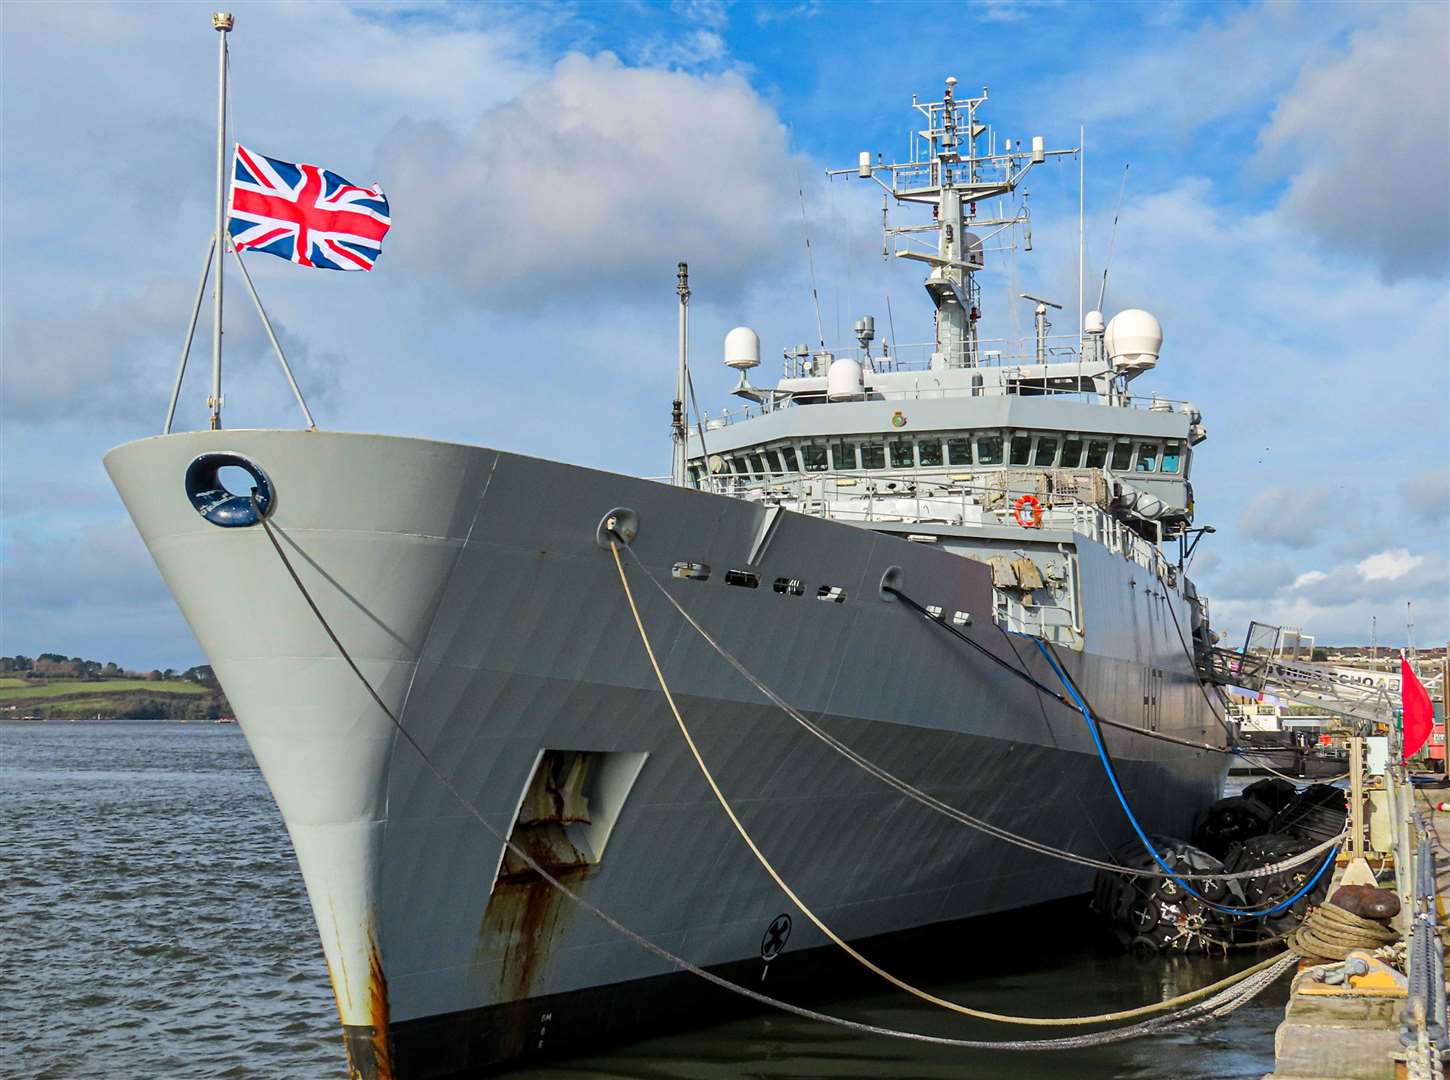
[810,259]
[1081,223]
[1042,324]
[1113,240]
[1410,629]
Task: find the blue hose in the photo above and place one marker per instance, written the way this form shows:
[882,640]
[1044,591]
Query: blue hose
[1133,820]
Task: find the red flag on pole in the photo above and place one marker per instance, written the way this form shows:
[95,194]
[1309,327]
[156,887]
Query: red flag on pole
[1418,713]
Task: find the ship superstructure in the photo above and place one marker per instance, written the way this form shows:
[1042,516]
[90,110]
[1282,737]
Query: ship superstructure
[1016,499]
[986,447]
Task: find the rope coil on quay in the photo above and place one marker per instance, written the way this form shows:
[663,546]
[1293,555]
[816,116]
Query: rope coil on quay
[1232,993]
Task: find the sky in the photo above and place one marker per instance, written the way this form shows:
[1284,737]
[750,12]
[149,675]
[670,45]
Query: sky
[1285,215]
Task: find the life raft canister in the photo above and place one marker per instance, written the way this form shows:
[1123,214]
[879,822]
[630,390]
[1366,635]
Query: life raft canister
[1033,519]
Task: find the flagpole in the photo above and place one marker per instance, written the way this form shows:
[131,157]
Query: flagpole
[222,22]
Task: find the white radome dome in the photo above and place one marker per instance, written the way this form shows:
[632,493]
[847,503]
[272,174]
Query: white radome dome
[843,380]
[742,349]
[1133,339]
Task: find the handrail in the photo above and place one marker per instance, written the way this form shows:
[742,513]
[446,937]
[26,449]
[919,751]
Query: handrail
[862,501]
[1149,403]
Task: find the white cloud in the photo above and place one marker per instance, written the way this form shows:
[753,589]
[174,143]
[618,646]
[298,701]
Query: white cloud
[1308,577]
[1364,136]
[592,184]
[711,13]
[696,48]
[1388,565]
[1293,517]
[1178,78]
[1426,496]
[1010,10]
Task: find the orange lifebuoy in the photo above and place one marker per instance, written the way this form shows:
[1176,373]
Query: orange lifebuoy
[1034,517]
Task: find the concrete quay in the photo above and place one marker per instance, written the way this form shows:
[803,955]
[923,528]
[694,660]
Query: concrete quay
[1354,1032]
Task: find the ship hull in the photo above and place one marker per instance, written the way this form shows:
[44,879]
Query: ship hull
[470,588]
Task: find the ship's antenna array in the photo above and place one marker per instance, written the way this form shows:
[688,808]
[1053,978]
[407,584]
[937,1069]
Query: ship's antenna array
[946,172]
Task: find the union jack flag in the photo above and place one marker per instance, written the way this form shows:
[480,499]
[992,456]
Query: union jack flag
[305,214]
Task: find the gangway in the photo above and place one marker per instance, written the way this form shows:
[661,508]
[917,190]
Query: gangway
[1261,666]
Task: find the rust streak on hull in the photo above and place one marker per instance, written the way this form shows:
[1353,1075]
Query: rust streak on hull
[378,1013]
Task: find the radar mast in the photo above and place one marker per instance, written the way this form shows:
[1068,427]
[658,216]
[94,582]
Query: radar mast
[947,172]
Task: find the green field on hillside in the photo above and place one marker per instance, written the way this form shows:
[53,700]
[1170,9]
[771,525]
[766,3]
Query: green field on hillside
[7,681]
[19,690]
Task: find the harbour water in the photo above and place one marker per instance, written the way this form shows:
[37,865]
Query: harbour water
[153,923]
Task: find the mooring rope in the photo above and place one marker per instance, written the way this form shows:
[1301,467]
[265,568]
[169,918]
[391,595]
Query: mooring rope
[1331,933]
[1232,993]
[831,935]
[946,809]
[1258,913]
[1248,755]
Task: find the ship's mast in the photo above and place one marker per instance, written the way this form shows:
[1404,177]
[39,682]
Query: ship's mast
[955,179]
[682,378]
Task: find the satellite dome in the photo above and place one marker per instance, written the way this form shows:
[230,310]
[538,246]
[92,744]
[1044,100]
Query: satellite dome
[742,349]
[1133,339]
[1092,322]
[843,380]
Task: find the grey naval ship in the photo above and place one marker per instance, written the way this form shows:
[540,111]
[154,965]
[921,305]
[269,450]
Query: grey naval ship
[1012,491]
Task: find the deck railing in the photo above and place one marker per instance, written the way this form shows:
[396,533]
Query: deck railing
[917,392]
[931,498]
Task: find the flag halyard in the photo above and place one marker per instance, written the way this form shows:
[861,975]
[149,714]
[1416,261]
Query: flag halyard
[305,214]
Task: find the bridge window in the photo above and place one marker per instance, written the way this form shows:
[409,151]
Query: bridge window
[989,450]
[959,451]
[1021,450]
[1046,451]
[873,455]
[928,452]
[791,458]
[1122,456]
[1147,457]
[843,455]
[1097,454]
[1172,459]
[1072,453]
[813,454]
[757,465]
[902,453]
[738,466]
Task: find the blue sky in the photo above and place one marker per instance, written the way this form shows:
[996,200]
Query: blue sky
[1286,218]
